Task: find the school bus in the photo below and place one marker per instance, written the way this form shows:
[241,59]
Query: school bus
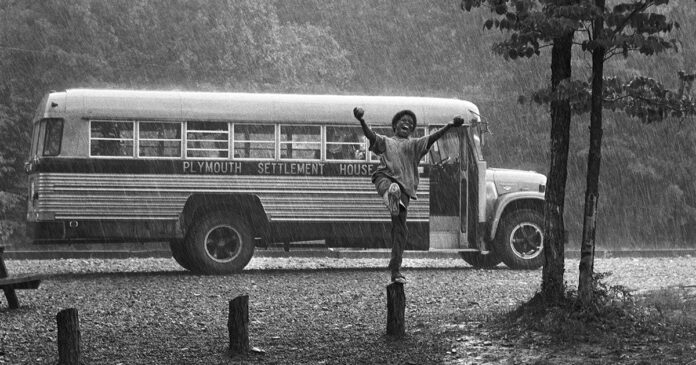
[218,174]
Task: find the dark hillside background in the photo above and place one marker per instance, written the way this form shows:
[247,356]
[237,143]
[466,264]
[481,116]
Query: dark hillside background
[425,47]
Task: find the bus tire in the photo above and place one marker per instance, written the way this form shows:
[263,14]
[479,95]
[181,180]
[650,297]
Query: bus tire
[180,254]
[520,239]
[479,260]
[219,243]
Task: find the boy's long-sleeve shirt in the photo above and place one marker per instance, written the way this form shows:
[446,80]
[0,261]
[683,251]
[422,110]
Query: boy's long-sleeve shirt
[399,158]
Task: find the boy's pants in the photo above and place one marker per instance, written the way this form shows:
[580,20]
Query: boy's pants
[399,232]
[399,235]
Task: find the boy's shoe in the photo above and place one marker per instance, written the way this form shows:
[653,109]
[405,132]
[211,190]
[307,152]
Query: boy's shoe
[397,277]
[393,199]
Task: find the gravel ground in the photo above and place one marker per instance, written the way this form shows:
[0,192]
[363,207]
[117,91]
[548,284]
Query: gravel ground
[634,273]
[302,310]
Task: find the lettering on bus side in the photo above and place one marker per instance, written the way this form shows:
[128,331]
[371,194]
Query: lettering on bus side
[277,168]
[315,169]
[212,167]
[356,169]
[290,168]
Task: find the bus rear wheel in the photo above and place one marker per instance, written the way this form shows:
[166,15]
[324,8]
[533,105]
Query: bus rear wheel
[520,240]
[219,243]
[180,254]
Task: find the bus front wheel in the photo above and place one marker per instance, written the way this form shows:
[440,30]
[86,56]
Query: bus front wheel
[520,239]
[219,243]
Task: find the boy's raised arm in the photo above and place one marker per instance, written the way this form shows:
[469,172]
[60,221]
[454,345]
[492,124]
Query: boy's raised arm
[456,122]
[358,113]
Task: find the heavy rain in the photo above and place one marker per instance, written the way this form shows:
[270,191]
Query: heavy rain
[188,151]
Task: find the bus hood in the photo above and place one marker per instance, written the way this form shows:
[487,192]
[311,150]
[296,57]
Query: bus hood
[509,181]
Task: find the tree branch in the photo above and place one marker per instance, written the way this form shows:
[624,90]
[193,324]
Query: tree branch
[635,11]
[611,52]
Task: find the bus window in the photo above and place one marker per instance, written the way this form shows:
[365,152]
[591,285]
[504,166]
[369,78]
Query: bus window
[446,149]
[35,141]
[387,131]
[300,142]
[108,138]
[53,136]
[344,143]
[207,139]
[254,141]
[159,139]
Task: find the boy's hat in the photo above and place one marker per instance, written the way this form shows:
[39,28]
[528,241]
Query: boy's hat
[400,114]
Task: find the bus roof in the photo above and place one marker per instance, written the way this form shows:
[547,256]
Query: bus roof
[186,105]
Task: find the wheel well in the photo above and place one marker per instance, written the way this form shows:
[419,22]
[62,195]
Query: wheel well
[531,204]
[247,205]
[516,205]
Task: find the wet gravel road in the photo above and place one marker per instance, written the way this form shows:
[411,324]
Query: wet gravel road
[305,310]
[634,273]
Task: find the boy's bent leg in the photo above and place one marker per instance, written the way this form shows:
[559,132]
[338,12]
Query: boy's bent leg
[391,193]
[393,199]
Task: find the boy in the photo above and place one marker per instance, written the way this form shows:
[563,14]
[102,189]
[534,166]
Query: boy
[396,178]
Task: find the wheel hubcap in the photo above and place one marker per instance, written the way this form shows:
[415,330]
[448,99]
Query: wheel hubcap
[223,243]
[527,240]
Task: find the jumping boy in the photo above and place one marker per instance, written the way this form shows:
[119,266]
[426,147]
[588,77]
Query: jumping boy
[396,177]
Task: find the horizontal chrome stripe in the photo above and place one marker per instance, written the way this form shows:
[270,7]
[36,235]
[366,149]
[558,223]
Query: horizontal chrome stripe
[142,197]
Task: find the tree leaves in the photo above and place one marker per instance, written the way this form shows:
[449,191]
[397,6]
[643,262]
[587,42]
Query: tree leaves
[641,97]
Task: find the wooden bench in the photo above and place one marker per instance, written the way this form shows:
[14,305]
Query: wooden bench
[10,283]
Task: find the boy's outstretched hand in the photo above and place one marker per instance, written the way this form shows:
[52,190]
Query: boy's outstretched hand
[458,121]
[358,113]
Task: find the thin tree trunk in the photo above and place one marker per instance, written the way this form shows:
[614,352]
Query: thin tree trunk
[594,157]
[552,286]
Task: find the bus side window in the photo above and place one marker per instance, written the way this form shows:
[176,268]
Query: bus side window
[53,137]
[418,133]
[344,143]
[301,142]
[159,139]
[385,131]
[445,149]
[110,138]
[254,141]
[207,139]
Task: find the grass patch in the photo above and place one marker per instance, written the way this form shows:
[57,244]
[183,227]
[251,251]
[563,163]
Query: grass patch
[618,325]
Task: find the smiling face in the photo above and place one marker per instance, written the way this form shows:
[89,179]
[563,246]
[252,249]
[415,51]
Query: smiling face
[404,126]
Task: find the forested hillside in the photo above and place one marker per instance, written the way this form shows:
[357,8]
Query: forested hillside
[425,47]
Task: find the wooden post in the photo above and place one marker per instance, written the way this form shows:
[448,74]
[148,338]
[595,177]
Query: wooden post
[238,325]
[68,337]
[10,294]
[12,300]
[396,307]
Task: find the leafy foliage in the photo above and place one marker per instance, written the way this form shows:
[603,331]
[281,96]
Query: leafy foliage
[641,97]
[218,44]
[388,47]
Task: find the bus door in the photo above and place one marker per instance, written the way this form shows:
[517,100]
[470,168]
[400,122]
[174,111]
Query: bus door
[453,192]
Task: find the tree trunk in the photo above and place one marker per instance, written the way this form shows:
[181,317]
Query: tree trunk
[238,325]
[396,308]
[587,249]
[68,337]
[552,286]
